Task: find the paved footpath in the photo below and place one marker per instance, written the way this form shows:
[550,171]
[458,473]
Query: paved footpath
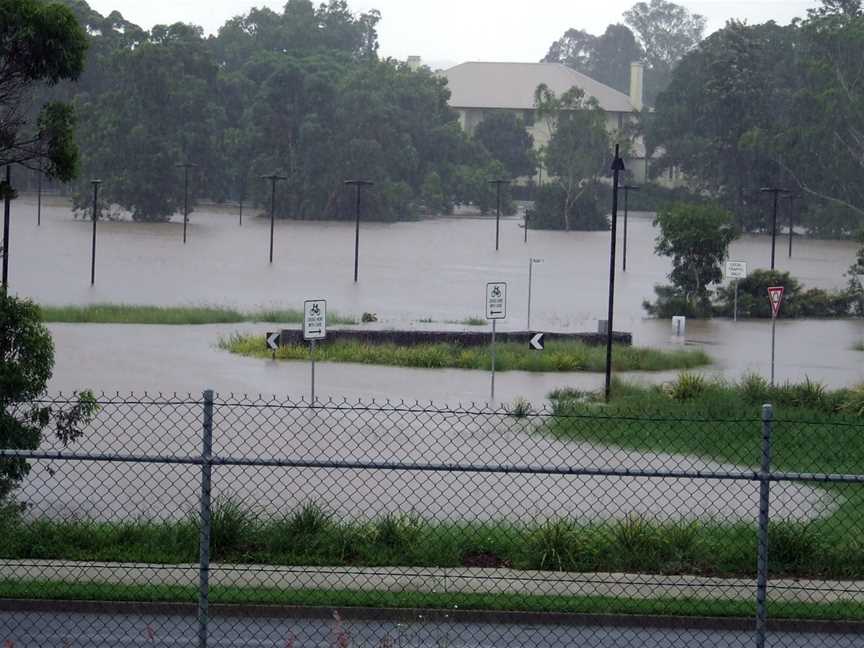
[430,580]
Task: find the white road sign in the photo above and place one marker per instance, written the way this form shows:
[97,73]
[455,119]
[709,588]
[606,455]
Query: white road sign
[736,269]
[496,301]
[315,319]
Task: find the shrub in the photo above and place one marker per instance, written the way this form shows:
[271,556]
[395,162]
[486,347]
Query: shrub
[853,403]
[232,526]
[554,546]
[520,408]
[672,301]
[797,302]
[368,318]
[687,386]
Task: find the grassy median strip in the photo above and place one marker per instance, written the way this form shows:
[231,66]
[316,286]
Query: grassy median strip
[684,606]
[310,536]
[558,356]
[177,315]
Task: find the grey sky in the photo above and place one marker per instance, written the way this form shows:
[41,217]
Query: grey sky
[462,30]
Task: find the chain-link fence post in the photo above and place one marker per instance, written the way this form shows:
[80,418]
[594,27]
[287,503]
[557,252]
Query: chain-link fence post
[764,503]
[204,539]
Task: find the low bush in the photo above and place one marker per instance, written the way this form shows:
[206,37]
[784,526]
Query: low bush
[587,213]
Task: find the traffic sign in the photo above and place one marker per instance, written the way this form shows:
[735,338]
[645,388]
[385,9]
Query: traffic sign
[775,294]
[315,319]
[272,340]
[496,300]
[736,269]
[536,343]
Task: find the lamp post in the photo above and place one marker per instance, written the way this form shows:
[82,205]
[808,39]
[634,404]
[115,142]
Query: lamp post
[627,189]
[498,184]
[95,184]
[185,166]
[617,168]
[273,178]
[776,191]
[791,198]
[358,184]
[39,195]
[7,208]
[531,263]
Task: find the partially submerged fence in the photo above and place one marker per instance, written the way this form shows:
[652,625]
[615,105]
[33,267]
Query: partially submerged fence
[237,521]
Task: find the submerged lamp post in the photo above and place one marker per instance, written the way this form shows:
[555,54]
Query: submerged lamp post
[7,208]
[627,189]
[273,178]
[185,166]
[776,191]
[358,184]
[498,184]
[95,184]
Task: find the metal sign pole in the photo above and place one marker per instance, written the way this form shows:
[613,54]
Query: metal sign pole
[773,338]
[530,279]
[494,322]
[735,312]
[313,372]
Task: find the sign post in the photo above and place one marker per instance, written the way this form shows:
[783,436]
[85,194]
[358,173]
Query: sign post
[314,329]
[736,270]
[775,295]
[496,308]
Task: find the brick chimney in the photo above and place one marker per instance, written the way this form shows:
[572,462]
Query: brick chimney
[637,84]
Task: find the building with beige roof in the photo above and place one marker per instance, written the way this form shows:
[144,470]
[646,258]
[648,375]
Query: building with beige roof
[480,88]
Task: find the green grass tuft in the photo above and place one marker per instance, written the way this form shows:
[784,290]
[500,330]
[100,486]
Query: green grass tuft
[558,356]
[173,315]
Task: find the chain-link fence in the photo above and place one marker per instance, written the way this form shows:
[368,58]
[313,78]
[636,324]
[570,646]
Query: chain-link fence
[229,521]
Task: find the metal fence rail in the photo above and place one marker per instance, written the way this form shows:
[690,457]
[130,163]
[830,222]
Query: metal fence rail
[229,521]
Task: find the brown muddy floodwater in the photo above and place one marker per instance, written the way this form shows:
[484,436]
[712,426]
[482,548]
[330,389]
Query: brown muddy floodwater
[434,269]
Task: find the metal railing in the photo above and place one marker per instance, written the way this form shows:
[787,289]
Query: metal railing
[383,524]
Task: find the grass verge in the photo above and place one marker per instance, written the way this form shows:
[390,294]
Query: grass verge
[558,356]
[178,315]
[310,536]
[685,607]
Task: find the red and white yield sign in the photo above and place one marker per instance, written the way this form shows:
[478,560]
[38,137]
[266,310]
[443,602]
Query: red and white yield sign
[775,295]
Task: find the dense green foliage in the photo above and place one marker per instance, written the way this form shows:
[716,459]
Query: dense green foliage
[587,212]
[797,302]
[311,536]
[558,356]
[40,43]
[301,92]
[506,139]
[26,362]
[769,105]
[697,238]
[657,32]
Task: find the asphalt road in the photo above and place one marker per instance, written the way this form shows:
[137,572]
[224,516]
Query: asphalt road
[72,630]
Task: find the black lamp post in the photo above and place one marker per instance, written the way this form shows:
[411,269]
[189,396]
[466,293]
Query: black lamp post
[358,184]
[617,168]
[95,184]
[7,209]
[776,191]
[627,189]
[185,166]
[498,184]
[273,178]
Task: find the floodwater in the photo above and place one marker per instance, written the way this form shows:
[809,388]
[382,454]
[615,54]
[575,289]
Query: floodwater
[435,269]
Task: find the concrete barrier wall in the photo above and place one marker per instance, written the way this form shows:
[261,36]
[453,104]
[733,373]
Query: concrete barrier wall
[463,338]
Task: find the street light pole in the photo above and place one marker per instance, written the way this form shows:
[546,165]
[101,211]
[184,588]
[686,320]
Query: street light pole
[498,184]
[39,196]
[185,166]
[273,178]
[358,184]
[95,184]
[791,198]
[531,263]
[776,191]
[627,189]
[617,168]
[7,209]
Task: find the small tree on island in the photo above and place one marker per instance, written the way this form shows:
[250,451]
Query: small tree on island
[697,238]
